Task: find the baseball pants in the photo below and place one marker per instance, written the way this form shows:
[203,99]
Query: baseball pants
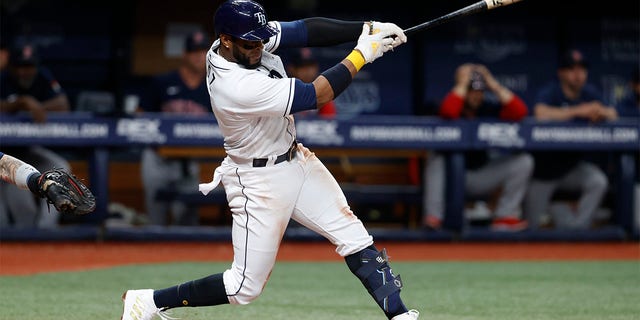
[264,199]
[510,172]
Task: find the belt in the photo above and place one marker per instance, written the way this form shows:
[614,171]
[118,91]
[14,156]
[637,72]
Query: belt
[287,156]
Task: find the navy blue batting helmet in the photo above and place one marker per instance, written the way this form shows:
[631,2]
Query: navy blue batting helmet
[244,19]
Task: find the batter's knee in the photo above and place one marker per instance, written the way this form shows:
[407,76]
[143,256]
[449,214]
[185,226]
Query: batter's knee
[242,289]
[245,295]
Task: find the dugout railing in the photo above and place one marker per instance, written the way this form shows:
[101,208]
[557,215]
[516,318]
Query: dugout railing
[387,135]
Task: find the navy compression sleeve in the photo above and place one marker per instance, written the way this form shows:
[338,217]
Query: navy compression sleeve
[317,32]
[329,32]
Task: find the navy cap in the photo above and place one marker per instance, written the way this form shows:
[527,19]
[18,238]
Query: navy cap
[23,55]
[196,41]
[571,58]
[302,56]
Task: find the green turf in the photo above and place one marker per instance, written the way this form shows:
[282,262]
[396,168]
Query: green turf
[440,290]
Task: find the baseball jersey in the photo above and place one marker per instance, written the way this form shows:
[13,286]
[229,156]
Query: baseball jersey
[168,93]
[253,106]
[554,165]
[629,106]
[44,86]
[453,107]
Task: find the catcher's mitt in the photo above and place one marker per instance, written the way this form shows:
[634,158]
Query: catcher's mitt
[67,194]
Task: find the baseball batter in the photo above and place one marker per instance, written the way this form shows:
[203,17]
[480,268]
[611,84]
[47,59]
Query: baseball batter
[269,177]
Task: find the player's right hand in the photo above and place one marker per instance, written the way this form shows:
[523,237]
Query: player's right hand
[397,33]
[373,46]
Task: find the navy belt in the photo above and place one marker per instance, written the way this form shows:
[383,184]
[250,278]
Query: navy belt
[287,156]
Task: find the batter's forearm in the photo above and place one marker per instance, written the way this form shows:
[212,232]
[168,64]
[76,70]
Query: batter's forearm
[335,80]
[329,32]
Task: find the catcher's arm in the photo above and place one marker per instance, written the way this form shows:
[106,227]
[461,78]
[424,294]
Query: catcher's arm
[16,171]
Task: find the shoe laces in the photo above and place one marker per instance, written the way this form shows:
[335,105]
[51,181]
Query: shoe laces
[165,315]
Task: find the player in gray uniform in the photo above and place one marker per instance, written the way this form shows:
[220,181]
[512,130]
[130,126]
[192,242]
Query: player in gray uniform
[269,177]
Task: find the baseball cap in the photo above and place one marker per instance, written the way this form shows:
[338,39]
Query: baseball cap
[23,55]
[197,40]
[302,56]
[573,57]
[477,82]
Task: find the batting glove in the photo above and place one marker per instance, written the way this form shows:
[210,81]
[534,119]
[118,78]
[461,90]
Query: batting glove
[372,46]
[397,34]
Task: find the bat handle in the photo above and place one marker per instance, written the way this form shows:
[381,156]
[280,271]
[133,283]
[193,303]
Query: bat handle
[491,4]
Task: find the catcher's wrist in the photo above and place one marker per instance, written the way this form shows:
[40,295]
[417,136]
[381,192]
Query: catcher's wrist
[32,184]
[357,59]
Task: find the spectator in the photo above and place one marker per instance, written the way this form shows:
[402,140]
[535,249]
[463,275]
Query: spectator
[5,37]
[181,91]
[570,98]
[28,86]
[629,106]
[305,66]
[486,172]
[4,54]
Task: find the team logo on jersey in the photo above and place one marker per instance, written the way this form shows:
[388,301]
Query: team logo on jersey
[275,74]
[262,19]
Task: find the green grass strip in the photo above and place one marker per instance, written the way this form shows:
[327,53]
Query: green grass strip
[327,290]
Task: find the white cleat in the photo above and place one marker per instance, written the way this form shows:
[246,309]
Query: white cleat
[409,315]
[139,305]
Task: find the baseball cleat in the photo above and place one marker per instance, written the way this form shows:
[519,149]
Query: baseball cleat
[139,305]
[409,315]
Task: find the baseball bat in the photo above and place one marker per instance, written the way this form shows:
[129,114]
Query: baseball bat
[482,5]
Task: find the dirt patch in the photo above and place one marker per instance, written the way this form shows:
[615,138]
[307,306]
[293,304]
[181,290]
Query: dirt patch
[35,257]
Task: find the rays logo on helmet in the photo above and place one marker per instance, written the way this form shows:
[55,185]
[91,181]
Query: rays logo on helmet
[262,18]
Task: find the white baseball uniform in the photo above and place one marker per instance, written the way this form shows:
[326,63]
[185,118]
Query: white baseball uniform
[253,109]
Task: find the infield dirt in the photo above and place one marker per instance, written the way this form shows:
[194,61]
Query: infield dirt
[18,258]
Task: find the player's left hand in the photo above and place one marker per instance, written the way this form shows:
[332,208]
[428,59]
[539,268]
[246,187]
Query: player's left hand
[67,194]
[397,34]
